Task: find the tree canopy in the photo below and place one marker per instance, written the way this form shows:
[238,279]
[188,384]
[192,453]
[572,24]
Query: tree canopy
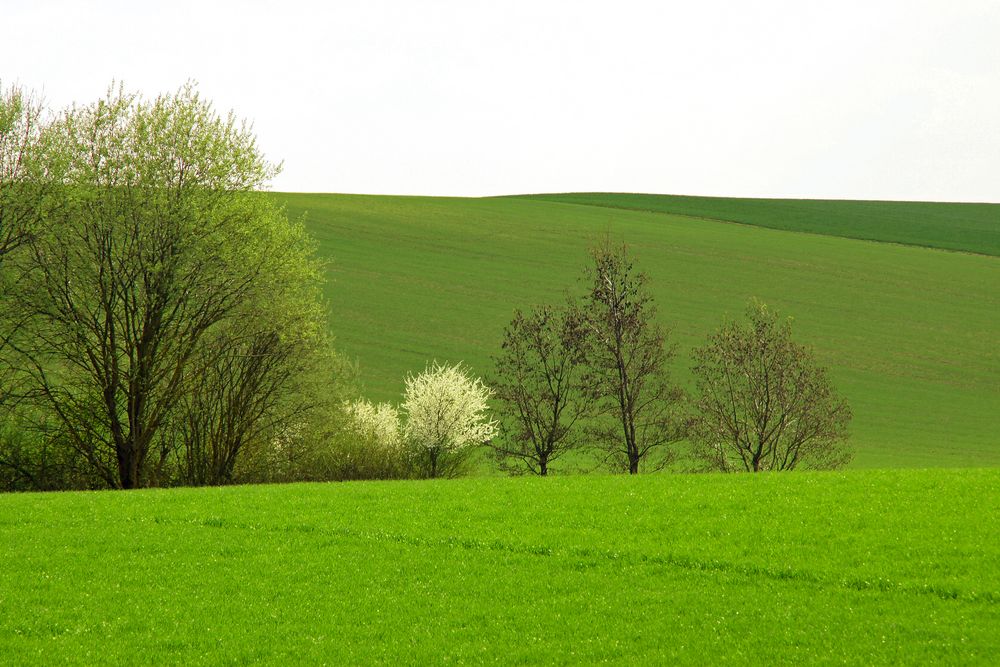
[165,295]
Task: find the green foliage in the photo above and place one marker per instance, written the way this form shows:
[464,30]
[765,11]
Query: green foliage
[863,567]
[951,226]
[167,314]
[153,240]
[34,455]
[371,445]
[23,184]
[908,334]
[22,167]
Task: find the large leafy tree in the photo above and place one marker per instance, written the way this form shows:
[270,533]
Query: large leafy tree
[763,402]
[138,286]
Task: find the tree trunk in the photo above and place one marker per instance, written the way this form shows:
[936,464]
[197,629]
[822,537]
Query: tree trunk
[633,453]
[434,463]
[633,464]
[128,468]
[543,466]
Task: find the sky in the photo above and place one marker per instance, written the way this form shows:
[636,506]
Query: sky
[877,99]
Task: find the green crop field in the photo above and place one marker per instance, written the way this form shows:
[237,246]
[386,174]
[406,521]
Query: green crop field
[865,567]
[910,333]
[952,226]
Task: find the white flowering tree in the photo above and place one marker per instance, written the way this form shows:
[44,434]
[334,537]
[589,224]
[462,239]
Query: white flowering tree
[446,413]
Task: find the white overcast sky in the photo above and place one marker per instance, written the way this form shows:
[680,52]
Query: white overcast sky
[879,99]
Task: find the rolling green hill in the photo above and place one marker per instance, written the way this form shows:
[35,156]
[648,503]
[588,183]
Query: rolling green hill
[910,333]
[951,226]
[863,567]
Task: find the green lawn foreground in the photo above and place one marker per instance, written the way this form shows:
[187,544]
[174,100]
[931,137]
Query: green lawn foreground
[864,567]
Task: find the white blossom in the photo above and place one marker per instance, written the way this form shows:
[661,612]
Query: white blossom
[376,423]
[446,411]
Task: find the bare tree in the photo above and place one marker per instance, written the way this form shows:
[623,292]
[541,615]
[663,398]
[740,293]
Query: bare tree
[763,402]
[539,383]
[628,361]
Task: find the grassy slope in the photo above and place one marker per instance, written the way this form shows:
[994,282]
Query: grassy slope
[909,333]
[952,226]
[863,567]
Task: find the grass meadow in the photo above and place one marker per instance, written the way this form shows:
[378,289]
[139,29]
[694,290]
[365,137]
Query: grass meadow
[866,567]
[909,333]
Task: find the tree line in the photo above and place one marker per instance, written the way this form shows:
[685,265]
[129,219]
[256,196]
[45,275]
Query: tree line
[591,377]
[594,373]
[161,323]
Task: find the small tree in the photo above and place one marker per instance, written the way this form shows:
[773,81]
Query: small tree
[269,365]
[763,402]
[628,360]
[248,387]
[538,380]
[376,423]
[446,413]
[372,444]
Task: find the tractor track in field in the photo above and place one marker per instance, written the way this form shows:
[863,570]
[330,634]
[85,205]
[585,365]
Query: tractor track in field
[589,557]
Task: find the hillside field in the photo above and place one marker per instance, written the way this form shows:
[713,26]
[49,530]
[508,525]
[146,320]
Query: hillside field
[909,332]
[951,226]
[866,567]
